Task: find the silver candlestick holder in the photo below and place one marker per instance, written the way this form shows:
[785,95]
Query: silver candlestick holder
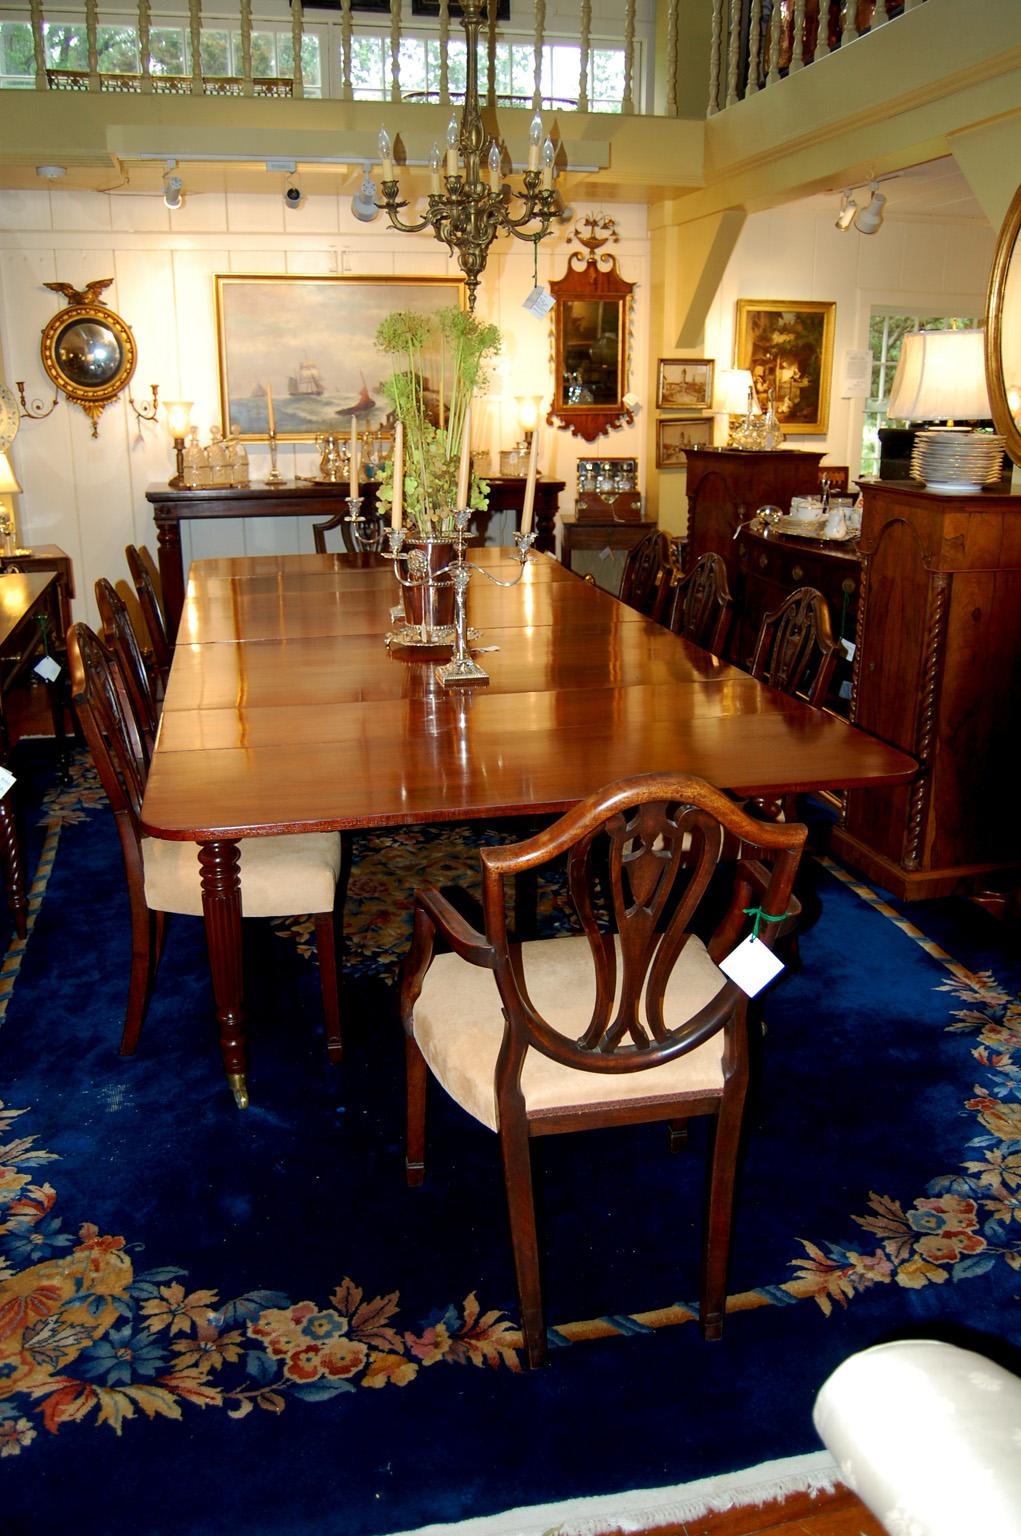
[274,477]
[462,670]
[366,532]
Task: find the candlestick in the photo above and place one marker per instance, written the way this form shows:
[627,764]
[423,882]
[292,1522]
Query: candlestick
[271,420]
[464,468]
[353,474]
[533,457]
[397,505]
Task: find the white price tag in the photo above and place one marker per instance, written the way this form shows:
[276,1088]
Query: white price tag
[7,781]
[539,302]
[849,649]
[48,669]
[751,965]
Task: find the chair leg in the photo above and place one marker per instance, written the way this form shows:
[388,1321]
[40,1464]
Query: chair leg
[517,1172]
[326,953]
[416,1074]
[719,1214]
[146,941]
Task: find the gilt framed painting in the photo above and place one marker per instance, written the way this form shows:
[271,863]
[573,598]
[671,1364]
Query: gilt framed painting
[304,348]
[787,345]
[684,383]
[676,434]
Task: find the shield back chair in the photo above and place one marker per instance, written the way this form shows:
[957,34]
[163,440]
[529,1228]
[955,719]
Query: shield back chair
[626,1022]
[119,636]
[697,604]
[161,647]
[644,571]
[795,651]
[280,876]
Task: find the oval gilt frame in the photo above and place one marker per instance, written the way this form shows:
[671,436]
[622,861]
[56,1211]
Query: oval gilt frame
[93,398]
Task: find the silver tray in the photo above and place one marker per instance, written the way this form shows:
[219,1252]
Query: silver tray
[409,637]
[814,531]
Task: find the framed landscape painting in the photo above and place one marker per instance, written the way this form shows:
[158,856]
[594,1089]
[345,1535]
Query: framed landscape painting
[307,345]
[685,383]
[788,346]
[675,434]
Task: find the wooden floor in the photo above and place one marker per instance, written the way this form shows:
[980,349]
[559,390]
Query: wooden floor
[828,1514]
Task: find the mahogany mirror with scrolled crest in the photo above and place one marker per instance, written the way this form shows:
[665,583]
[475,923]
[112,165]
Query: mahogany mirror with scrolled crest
[590,330]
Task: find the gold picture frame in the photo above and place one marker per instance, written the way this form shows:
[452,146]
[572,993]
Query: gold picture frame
[310,343]
[676,434]
[787,345]
[685,383]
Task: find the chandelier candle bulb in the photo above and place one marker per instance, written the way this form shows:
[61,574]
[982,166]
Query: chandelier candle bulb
[548,155]
[397,514]
[271,420]
[386,155]
[464,468]
[529,503]
[353,479]
[494,166]
[452,136]
[435,166]
[534,142]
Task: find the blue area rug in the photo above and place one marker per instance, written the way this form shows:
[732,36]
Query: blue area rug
[213,1321]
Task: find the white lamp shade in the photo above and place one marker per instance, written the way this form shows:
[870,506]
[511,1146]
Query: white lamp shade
[177,417]
[732,386]
[941,376]
[8,479]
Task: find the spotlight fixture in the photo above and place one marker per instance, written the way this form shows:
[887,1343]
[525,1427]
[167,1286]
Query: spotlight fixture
[173,187]
[848,209]
[363,204]
[293,195]
[868,219]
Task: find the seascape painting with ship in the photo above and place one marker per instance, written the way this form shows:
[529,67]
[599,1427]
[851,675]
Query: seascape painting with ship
[309,342]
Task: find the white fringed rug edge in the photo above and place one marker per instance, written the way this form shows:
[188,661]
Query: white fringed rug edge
[645,1508]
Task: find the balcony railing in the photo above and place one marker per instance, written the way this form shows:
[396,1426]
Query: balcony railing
[757,43]
[350,55]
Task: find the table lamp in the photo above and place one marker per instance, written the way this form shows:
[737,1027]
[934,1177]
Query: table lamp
[8,487]
[736,399]
[178,421]
[941,378]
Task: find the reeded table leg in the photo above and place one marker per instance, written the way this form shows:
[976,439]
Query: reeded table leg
[220,865]
[14,869]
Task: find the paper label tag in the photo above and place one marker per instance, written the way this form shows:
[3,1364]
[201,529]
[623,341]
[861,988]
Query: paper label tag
[539,302]
[751,965]
[7,781]
[849,649]
[48,669]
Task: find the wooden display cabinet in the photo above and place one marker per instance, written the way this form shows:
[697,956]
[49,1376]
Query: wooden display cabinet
[937,673]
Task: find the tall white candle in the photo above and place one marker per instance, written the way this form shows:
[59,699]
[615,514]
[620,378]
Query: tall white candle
[464,468]
[270,418]
[353,478]
[533,459]
[397,505]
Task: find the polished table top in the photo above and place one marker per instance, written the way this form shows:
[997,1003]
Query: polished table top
[286,712]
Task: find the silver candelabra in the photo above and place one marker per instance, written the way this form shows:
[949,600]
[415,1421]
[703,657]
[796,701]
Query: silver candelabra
[462,670]
[366,532]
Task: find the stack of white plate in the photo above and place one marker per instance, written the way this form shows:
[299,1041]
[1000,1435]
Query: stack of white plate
[956,463]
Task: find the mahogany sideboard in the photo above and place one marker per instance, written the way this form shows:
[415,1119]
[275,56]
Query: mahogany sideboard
[305,499]
[937,673]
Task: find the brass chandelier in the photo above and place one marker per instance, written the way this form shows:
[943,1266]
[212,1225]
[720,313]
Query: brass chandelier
[466,211]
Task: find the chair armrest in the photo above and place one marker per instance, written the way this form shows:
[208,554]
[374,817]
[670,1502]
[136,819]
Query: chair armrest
[434,913]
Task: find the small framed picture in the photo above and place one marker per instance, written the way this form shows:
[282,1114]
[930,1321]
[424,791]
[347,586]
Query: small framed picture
[685,384]
[676,434]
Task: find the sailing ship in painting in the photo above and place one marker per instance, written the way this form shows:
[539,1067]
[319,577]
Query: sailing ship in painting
[306,380]
[309,405]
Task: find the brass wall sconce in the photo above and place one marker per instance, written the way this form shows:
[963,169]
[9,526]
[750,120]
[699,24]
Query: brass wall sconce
[148,408]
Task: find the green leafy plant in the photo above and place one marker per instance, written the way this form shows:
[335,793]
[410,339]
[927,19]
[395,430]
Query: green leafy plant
[432,438]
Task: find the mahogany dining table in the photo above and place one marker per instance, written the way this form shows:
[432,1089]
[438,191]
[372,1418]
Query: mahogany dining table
[286,712]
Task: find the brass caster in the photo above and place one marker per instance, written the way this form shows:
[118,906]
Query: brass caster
[239,1088]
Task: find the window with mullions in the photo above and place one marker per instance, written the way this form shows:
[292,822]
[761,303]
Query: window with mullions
[118,53]
[886,332]
[419,60]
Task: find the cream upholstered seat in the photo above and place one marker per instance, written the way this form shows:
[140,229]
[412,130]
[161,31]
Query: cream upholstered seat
[631,1020]
[459,1030]
[280,876]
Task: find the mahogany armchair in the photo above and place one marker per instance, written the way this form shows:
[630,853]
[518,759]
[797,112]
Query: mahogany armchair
[280,876]
[119,635]
[622,1023]
[150,602]
[644,571]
